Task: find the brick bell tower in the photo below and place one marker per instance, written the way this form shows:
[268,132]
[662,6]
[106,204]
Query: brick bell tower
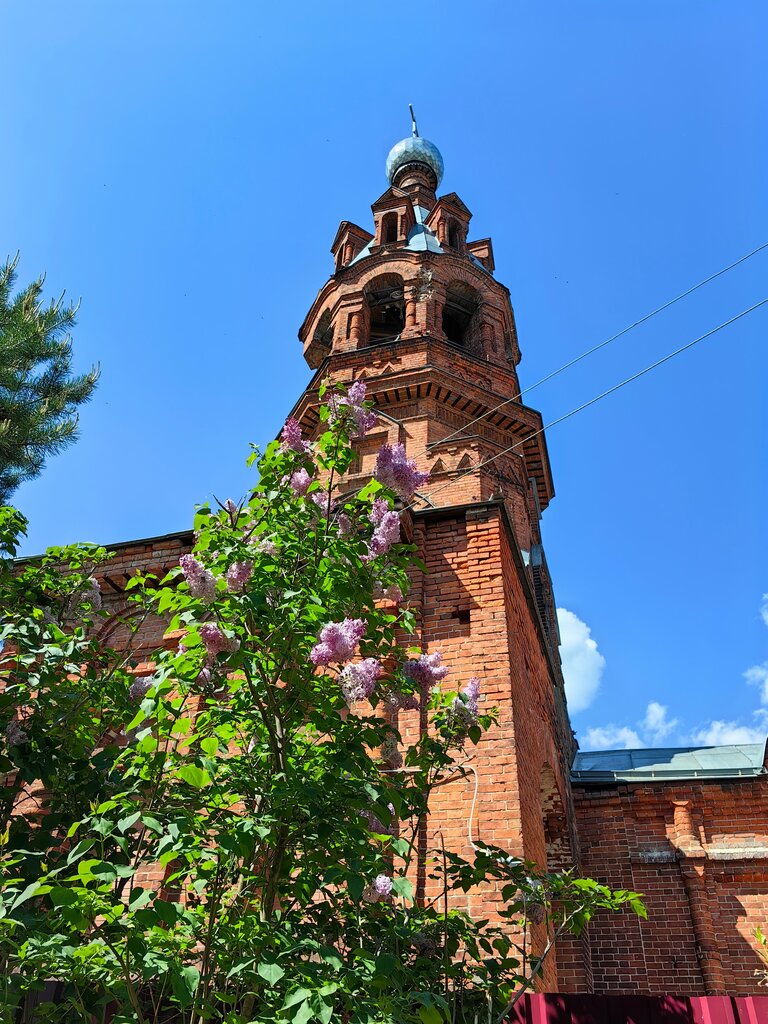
[413,307]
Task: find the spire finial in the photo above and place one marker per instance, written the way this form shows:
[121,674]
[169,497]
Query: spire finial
[414,129]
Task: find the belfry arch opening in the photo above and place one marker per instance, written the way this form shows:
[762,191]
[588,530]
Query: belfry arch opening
[389,228]
[324,331]
[461,305]
[385,300]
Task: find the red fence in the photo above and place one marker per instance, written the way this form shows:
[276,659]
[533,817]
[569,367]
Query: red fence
[554,1009]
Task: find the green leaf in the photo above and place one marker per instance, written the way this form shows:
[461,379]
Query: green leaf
[195,776]
[299,995]
[185,984]
[302,1014]
[403,887]
[271,972]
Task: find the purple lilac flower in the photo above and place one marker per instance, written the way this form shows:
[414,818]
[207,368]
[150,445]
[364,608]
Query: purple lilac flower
[320,498]
[396,471]
[394,701]
[386,532]
[391,593]
[300,482]
[426,670]
[344,523]
[216,641]
[291,439]
[205,677]
[266,546]
[383,885]
[390,752]
[232,511]
[14,734]
[375,824]
[94,593]
[472,695]
[238,575]
[337,641]
[139,688]
[352,403]
[379,889]
[358,681]
[201,581]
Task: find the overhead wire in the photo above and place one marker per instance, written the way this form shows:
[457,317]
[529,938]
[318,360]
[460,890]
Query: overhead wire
[585,405]
[601,345]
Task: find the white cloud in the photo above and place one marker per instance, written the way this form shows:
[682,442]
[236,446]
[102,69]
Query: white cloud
[583,664]
[656,723]
[757,675]
[720,732]
[611,737]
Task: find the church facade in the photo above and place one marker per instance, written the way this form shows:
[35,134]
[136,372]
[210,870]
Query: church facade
[413,307]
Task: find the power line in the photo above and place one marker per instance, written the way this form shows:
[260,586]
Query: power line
[602,344]
[592,401]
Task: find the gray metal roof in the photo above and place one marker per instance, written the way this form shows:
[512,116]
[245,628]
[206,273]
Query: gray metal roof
[736,760]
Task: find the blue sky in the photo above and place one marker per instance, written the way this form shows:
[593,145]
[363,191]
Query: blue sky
[183,167]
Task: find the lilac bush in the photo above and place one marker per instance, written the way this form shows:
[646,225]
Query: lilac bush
[233,838]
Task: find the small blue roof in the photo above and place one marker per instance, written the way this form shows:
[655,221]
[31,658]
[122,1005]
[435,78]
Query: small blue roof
[420,238]
[732,761]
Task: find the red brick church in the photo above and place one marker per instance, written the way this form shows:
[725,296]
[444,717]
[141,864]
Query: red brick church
[413,306]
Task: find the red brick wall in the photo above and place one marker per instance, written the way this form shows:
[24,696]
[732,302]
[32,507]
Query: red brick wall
[699,852]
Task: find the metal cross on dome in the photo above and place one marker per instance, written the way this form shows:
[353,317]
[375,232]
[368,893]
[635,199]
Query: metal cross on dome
[414,129]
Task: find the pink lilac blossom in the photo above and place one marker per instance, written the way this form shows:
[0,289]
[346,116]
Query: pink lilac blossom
[386,533]
[300,482]
[337,641]
[216,641]
[14,734]
[390,752]
[238,575]
[396,471]
[358,681]
[291,439]
[344,523]
[139,688]
[201,581]
[426,670]
[379,890]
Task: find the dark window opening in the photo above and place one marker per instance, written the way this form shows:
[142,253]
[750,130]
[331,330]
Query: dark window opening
[457,316]
[324,330]
[387,311]
[389,229]
[454,236]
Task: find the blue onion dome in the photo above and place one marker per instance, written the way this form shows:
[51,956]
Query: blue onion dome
[414,150]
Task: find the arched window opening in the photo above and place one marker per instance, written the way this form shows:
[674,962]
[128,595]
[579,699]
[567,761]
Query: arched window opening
[454,235]
[389,228]
[386,307]
[458,312]
[324,331]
